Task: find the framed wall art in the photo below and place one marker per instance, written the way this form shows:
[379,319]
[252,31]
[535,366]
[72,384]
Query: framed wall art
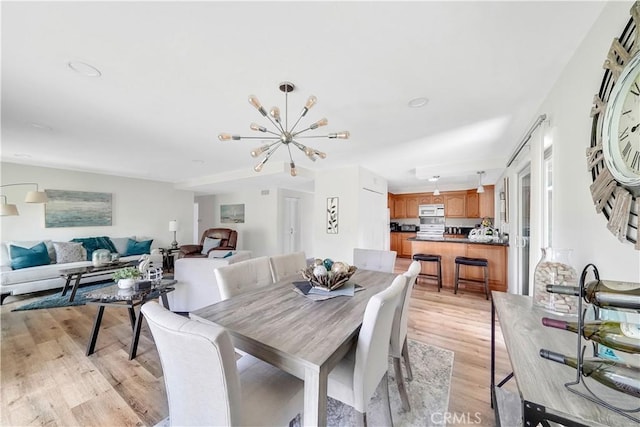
[332,215]
[77,209]
[232,213]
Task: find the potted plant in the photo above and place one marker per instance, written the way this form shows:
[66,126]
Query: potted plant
[126,277]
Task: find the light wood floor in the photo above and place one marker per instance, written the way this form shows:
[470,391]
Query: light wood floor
[46,379]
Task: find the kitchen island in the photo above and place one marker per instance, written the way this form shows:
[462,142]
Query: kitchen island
[451,247]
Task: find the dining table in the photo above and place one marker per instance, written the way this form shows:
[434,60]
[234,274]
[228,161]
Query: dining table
[302,336]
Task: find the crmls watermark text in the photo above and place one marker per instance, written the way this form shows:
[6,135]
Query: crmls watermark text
[452,418]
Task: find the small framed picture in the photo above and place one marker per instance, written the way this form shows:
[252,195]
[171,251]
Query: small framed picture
[332,215]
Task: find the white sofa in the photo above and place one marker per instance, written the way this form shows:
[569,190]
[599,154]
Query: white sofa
[197,286]
[42,277]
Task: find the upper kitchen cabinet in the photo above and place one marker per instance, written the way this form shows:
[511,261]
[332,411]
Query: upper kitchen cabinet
[487,202]
[399,208]
[473,204]
[411,207]
[390,205]
[425,199]
[439,199]
[455,204]
[404,206]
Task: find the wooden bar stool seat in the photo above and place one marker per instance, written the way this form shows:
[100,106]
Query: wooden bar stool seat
[430,258]
[472,262]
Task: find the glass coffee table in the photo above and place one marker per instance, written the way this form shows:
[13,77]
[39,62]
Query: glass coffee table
[112,296]
[75,274]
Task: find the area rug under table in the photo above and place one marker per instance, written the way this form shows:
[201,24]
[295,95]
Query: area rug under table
[57,300]
[428,393]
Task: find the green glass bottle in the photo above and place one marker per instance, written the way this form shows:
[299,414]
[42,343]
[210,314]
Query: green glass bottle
[618,336]
[618,376]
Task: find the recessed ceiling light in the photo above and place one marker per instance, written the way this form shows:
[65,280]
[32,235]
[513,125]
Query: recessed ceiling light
[418,102]
[84,69]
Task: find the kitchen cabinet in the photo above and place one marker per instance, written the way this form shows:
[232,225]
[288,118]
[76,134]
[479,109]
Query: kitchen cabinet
[487,202]
[473,204]
[425,199]
[390,199]
[405,245]
[454,204]
[438,199]
[411,207]
[399,207]
[395,242]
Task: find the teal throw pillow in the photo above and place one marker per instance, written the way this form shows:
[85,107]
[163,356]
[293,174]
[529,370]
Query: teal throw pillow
[138,248]
[28,257]
[93,243]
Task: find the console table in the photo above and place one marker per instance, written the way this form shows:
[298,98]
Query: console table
[542,394]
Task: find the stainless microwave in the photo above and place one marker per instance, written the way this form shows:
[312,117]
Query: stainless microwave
[436,210]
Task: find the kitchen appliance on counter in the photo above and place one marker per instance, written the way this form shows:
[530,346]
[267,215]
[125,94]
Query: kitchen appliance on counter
[408,227]
[431,221]
[394,226]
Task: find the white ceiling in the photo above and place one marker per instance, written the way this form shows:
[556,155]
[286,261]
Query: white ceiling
[176,74]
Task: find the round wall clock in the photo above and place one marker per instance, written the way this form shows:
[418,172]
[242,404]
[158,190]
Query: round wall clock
[614,154]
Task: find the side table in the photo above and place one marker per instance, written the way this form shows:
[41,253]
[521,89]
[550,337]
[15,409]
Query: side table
[128,298]
[168,258]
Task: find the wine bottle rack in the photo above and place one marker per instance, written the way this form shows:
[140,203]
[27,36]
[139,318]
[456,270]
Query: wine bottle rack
[579,382]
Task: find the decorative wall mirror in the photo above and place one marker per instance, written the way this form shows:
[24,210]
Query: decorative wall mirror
[614,153]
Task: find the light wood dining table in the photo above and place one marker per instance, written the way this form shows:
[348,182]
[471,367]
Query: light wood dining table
[303,337]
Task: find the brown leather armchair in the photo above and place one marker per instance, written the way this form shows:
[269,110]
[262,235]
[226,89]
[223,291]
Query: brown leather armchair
[228,239]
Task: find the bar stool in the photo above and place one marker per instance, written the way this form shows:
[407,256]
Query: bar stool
[473,262]
[430,258]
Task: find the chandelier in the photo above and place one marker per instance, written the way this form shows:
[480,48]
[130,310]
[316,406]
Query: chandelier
[284,135]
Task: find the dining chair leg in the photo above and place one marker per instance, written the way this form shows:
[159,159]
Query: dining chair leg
[405,356]
[363,415]
[385,384]
[402,389]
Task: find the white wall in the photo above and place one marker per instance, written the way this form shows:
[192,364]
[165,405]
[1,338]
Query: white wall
[357,214]
[576,224]
[140,207]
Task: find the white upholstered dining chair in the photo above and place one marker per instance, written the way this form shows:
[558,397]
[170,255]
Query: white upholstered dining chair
[355,378]
[204,384]
[374,259]
[287,264]
[235,279]
[399,348]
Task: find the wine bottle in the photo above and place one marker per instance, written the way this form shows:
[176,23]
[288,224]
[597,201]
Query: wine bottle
[608,294]
[618,376]
[618,336]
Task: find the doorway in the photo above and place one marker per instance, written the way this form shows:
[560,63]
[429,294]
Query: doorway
[291,227]
[523,244]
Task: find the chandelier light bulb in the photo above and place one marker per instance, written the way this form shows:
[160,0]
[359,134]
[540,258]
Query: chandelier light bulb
[259,150]
[321,122]
[259,166]
[321,154]
[253,100]
[255,126]
[310,102]
[294,171]
[340,135]
[275,113]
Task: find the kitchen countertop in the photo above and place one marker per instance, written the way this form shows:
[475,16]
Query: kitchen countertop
[459,240]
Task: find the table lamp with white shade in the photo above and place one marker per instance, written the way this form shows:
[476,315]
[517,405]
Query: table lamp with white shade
[173,226]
